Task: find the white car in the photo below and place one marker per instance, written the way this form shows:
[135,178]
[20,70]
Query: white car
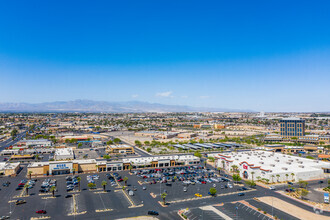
[272,188]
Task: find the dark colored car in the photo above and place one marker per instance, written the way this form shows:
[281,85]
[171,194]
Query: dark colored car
[168,184]
[41,211]
[244,188]
[20,201]
[68,196]
[153,213]
[241,194]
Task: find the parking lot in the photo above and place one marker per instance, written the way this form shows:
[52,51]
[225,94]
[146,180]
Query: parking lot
[181,184]
[78,203]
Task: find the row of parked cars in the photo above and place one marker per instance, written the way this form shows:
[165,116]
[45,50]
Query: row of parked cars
[71,182]
[47,184]
[29,183]
[111,179]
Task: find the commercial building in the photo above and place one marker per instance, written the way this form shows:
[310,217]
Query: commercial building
[64,154]
[272,166]
[92,165]
[292,127]
[120,149]
[62,167]
[293,149]
[36,143]
[9,169]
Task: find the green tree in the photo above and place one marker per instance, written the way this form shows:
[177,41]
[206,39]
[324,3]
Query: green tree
[30,173]
[130,167]
[104,183]
[148,149]
[197,154]
[292,174]
[91,185]
[79,179]
[53,189]
[79,145]
[213,191]
[164,197]
[138,143]
[109,142]
[26,187]
[277,177]
[125,180]
[303,193]
[13,133]
[219,169]
[116,140]
[252,173]
[212,159]
[236,178]
[286,176]
[147,143]
[272,176]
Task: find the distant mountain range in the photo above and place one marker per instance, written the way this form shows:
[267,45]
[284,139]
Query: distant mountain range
[102,106]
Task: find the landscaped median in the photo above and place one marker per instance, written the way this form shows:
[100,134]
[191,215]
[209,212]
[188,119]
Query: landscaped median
[207,197]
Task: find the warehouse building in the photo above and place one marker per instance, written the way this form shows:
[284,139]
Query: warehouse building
[272,166]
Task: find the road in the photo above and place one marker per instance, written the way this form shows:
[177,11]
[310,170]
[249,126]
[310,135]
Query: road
[10,142]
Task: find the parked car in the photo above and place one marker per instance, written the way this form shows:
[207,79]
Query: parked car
[272,188]
[68,196]
[20,201]
[198,195]
[153,213]
[41,211]
[241,194]
[144,188]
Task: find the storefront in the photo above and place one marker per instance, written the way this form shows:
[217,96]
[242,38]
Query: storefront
[60,168]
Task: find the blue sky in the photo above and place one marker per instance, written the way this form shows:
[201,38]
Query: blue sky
[260,55]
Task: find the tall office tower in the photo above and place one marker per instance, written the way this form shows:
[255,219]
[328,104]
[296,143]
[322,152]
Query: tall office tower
[292,127]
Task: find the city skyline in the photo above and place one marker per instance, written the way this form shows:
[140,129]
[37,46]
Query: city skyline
[261,56]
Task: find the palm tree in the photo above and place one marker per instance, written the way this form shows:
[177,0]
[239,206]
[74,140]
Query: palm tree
[286,175]
[79,179]
[73,170]
[130,167]
[219,169]
[53,189]
[125,180]
[252,173]
[163,197]
[223,164]
[26,187]
[30,173]
[104,183]
[234,167]
[292,174]
[277,177]
[258,178]
[272,176]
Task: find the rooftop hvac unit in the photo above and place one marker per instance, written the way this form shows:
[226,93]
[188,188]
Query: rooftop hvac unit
[272,165]
[284,168]
[261,162]
[277,160]
[300,162]
[301,166]
[288,163]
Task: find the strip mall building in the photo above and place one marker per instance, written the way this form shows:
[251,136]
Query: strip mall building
[92,165]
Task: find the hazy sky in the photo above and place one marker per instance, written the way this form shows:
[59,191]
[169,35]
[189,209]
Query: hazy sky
[259,55]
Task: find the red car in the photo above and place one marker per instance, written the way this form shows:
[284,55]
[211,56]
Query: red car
[41,212]
[120,180]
